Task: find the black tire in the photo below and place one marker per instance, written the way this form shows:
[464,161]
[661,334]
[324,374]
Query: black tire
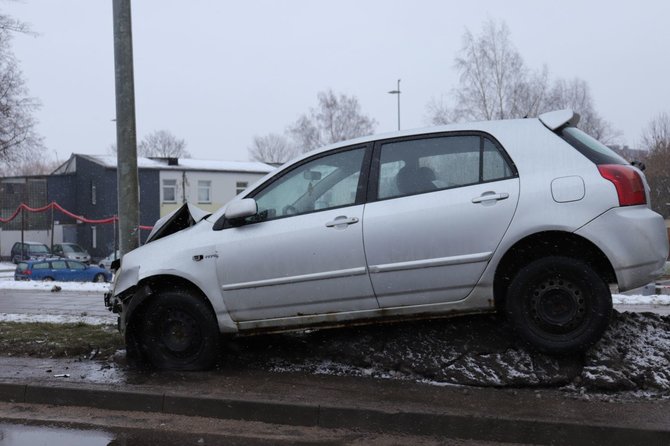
[559,305]
[180,332]
[47,279]
[100,277]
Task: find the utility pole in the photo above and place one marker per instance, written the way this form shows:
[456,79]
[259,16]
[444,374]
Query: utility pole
[126,136]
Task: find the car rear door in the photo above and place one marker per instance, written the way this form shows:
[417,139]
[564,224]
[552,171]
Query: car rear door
[440,206]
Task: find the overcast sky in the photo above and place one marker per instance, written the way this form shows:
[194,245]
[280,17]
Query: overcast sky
[218,72]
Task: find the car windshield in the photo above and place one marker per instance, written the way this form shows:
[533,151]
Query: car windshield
[72,248]
[38,249]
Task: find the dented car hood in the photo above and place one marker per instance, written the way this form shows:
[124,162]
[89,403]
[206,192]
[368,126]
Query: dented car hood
[182,218]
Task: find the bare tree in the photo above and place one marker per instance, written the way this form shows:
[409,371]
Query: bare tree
[576,94]
[495,83]
[30,166]
[336,118]
[272,148]
[656,139]
[162,144]
[19,140]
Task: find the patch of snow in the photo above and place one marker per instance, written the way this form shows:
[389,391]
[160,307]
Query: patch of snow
[57,319]
[86,287]
[654,299]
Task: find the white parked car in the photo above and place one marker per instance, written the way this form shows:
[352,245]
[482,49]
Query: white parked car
[106,263]
[530,217]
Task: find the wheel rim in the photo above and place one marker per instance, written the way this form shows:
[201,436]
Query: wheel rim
[557,306]
[179,333]
[99,278]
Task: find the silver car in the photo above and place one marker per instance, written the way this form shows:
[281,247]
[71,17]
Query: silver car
[530,217]
[72,251]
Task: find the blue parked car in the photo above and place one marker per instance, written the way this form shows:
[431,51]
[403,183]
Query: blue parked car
[60,269]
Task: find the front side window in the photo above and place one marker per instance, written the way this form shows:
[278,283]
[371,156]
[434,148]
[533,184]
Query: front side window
[169,191]
[324,183]
[204,191]
[76,265]
[430,164]
[58,264]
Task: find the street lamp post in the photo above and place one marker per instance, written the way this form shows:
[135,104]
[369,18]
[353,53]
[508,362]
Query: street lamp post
[397,92]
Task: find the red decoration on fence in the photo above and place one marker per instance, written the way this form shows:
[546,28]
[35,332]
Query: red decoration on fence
[58,207]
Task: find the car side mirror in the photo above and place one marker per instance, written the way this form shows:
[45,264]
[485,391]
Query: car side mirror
[241,209]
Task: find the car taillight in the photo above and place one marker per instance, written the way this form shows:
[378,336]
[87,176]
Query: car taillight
[628,183]
[27,272]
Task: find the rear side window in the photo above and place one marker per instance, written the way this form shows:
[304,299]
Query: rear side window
[422,165]
[42,265]
[590,147]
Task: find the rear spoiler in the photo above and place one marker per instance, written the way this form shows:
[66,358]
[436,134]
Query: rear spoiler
[556,119]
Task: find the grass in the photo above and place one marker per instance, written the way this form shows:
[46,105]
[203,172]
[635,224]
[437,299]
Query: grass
[44,340]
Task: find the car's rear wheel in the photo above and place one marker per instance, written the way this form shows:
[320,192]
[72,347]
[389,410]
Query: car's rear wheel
[100,277]
[559,304]
[180,332]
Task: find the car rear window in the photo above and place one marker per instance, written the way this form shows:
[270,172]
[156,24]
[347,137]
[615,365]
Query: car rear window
[590,147]
[22,266]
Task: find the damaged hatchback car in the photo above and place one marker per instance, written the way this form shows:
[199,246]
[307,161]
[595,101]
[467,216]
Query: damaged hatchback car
[531,217]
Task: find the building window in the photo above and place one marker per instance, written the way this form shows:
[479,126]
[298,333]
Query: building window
[169,191]
[240,186]
[204,190]
[94,197]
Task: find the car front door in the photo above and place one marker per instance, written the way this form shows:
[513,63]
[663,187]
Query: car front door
[441,206]
[302,253]
[78,272]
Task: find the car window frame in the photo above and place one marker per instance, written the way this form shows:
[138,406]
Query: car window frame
[375,166]
[361,188]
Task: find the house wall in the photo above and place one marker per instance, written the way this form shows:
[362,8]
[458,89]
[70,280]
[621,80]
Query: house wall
[91,192]
[223,188]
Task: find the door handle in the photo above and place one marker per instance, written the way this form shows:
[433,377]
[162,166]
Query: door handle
[341,221]
[490,196]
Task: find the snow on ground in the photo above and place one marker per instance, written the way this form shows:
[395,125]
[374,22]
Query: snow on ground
[7,282]
[58,319]
[633,355]
[654,299]
[48,286]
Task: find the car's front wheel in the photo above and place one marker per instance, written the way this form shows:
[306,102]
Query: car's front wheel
[180,332]
[559,304]
[99,278]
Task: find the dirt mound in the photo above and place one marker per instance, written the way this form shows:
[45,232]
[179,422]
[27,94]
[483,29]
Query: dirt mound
[634,354]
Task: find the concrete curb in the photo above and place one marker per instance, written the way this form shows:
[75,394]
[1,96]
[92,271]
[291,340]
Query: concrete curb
[450,424]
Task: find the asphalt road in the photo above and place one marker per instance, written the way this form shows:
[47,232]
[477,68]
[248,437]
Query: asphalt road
[53,303]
